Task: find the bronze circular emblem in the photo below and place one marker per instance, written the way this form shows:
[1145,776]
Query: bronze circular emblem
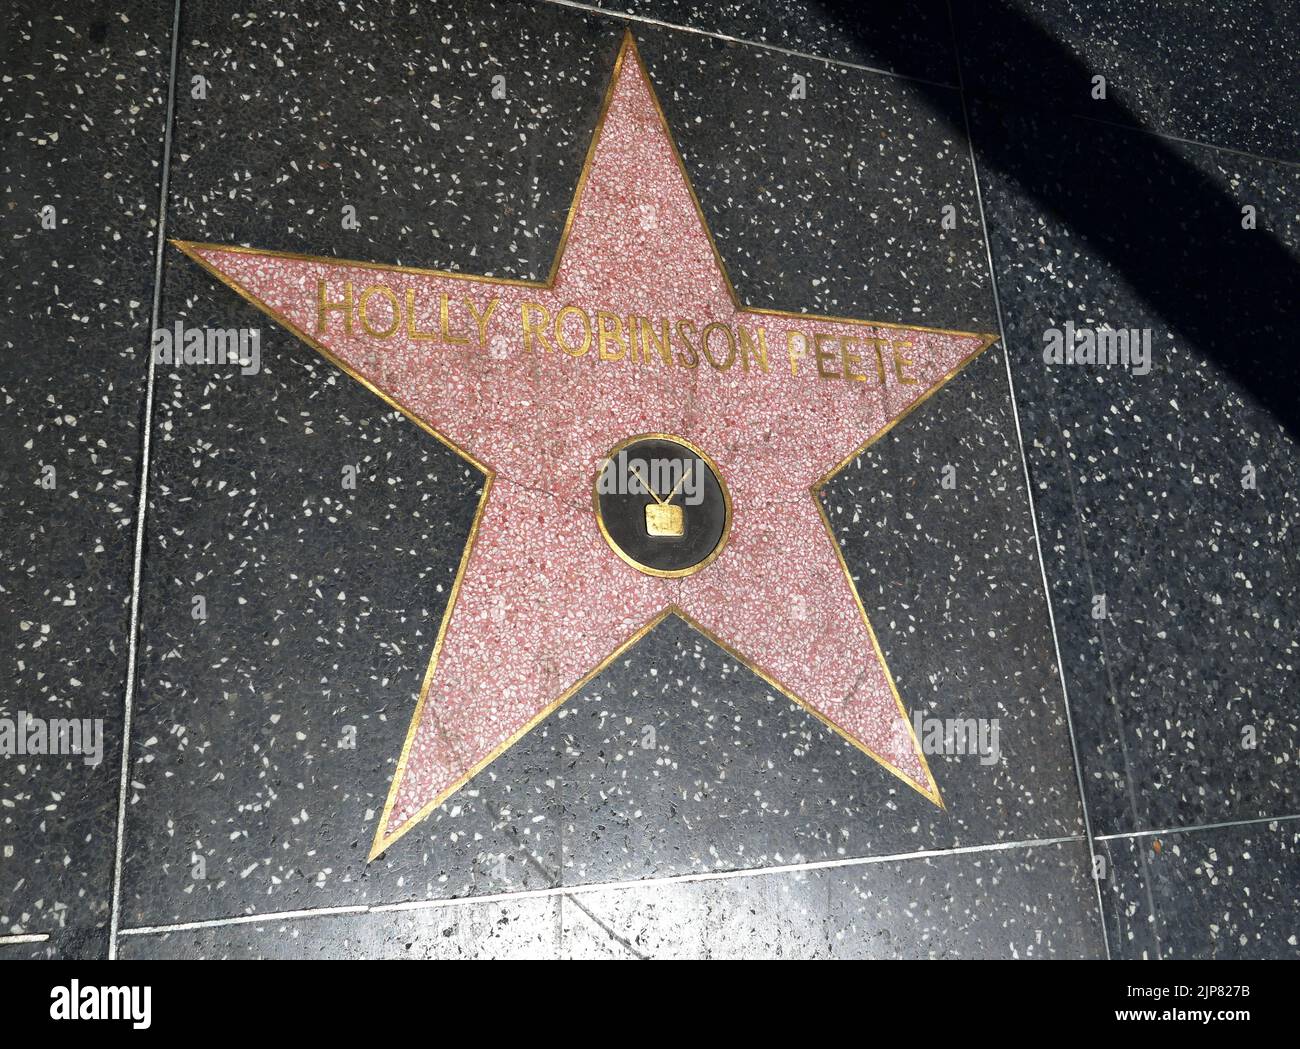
[662,505]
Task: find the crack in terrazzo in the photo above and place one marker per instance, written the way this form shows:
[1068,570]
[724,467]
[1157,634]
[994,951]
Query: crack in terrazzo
[604,927]
[540,490]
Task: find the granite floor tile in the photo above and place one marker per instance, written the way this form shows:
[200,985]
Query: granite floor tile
[911,39]
[1166,486]
[834,203]
[32,950]
[1225,892]
[1017,903]
[522,928]
[268,726]
[304,538]
[678,758]
[1220,73]
[83,112]
[267,732]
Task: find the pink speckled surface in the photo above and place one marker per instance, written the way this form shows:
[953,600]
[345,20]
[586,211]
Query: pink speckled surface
[543,600]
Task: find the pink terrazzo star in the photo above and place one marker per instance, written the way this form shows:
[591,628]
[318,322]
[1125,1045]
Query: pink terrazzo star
[499,370]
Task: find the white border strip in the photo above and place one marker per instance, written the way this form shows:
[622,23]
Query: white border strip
[592,887]
[1029,496]
[32,937]
[1197,827]
[142,496]
[627,16]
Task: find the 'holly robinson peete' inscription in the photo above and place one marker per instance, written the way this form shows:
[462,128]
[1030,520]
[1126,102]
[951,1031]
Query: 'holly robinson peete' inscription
[382,312]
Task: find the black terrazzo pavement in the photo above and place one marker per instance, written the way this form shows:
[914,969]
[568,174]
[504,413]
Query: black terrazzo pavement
[323,602]
[83,112]
[319,600]
[265,735]
[1221,72]
[931,908]
[909,37]
[1226,892]
[833,203]
[1184,695]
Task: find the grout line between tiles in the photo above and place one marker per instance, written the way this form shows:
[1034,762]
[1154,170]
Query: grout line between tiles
[993,99]
[1033,510]
[142,495]
[1196,827]
[1112,694]
[1170,137]
[593,887]
[762,45]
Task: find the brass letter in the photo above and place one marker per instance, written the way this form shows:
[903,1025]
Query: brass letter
[586,331]
[849,358]
[412,332]
[823,355]
[387,293]
[748,348]
[648,336]
[483,319]
[901,362]
[731,345]
[610,332]
[790,335]
[880,358]
[692,357]
[323,308]
[447,335]
[538,332]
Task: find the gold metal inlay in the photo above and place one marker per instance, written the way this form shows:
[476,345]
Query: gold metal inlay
[699,452]
[665,520]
